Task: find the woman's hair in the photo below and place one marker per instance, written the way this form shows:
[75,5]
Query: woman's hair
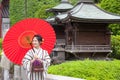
[39,38]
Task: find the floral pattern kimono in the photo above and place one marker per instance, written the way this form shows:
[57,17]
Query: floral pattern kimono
[42,54]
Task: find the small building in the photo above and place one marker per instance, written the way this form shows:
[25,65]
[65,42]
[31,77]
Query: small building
[59,50]
[59,9]
[86,30]
[62,7]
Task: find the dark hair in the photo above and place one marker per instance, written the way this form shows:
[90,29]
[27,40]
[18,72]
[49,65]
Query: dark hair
[39,38]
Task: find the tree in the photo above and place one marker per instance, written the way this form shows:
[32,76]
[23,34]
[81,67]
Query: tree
[43,5]
[114,7]
[16,10]
[34,8]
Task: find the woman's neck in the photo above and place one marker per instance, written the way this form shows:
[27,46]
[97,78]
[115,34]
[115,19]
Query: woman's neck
[37,47]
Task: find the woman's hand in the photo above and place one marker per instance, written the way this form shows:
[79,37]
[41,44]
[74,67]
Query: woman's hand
[32,60]
[35,56]
[40,60]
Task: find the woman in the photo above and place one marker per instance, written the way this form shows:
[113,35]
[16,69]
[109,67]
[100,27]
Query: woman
[36,53]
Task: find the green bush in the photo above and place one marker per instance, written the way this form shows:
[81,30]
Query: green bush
[88,69]
[115,28]
[115,46]
[114,7]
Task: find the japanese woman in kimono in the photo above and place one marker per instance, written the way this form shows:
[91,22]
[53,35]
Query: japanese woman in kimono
[36,53]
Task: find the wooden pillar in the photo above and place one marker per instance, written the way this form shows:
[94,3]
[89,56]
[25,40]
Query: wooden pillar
[66,34]
[108,36]
[70,34]
[75,34]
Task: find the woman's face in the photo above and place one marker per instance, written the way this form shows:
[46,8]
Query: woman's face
[35,43]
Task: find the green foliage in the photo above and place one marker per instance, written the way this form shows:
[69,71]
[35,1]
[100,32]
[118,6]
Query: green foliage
[0,43]
[32,7]
[35,8]
[114,7]
[17,11]
[111,5]
[97,1]
[115,28]
[43,5]
[115,46]
[74,2]
[88,69]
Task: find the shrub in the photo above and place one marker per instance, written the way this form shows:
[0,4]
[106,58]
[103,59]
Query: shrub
[115,46]
[88,69]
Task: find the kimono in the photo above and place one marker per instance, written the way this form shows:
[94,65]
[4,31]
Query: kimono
[42,54]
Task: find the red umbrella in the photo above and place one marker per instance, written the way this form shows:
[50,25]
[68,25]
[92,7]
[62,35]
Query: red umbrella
[17,40]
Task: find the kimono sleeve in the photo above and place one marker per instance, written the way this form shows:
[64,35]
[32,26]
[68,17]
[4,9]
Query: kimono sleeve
[27,61]
[46,60]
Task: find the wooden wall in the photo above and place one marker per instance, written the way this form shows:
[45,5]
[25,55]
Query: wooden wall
[91,34]
[60,32]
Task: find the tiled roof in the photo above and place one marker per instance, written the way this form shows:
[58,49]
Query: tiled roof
[87,11]
[63,6]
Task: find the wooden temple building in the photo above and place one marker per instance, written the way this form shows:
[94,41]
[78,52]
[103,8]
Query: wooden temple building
[4,17]
[59,49]
[82,32]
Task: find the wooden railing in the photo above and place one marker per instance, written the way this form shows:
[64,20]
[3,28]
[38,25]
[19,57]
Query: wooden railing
[59,47]
[88,48]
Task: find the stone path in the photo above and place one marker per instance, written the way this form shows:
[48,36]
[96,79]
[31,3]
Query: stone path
[56,77]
